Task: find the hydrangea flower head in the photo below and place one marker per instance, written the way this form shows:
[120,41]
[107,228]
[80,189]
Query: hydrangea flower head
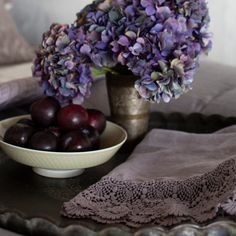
[158,40]
[58,65]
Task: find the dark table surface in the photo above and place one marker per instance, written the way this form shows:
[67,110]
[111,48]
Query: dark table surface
[30,204]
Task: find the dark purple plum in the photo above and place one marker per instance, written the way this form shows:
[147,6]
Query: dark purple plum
[75,141]
[56,131]
[18,134]
[97,120]
[44,141]
[44,111]
[92,134]
[72,117]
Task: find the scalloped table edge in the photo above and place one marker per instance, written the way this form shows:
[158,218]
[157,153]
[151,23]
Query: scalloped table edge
[38,226]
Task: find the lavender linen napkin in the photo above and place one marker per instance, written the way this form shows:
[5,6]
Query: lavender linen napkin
[170,177]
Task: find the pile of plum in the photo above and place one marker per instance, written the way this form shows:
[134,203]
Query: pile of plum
[54,128]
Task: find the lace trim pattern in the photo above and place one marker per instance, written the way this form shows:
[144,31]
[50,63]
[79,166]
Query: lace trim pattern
[230,205]
[165,202]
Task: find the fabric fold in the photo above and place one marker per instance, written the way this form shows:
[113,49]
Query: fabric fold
[171,177]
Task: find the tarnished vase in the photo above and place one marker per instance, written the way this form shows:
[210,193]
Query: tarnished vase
[128,109]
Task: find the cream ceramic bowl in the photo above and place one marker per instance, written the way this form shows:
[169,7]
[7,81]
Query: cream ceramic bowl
[64,164]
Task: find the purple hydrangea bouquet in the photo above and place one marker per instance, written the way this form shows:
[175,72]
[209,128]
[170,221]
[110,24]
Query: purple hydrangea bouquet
[159,41]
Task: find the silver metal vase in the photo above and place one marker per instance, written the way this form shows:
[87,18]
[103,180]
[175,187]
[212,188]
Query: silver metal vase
[128,109]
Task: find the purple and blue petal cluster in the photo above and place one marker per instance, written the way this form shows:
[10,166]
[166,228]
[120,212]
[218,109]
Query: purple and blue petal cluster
[159,41]
[58,65]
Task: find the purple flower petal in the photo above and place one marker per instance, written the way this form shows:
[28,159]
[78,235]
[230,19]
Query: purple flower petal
[146,3]
[166,97]
[164,12]
[123,41]
[85,49]
[136,49]
[166,40]
[150,10]
[157,28]
[115,46]
[141,40]
[69,64]
[101,45]
[130,10]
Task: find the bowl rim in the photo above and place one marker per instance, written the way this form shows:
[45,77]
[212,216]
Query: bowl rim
[124,139]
